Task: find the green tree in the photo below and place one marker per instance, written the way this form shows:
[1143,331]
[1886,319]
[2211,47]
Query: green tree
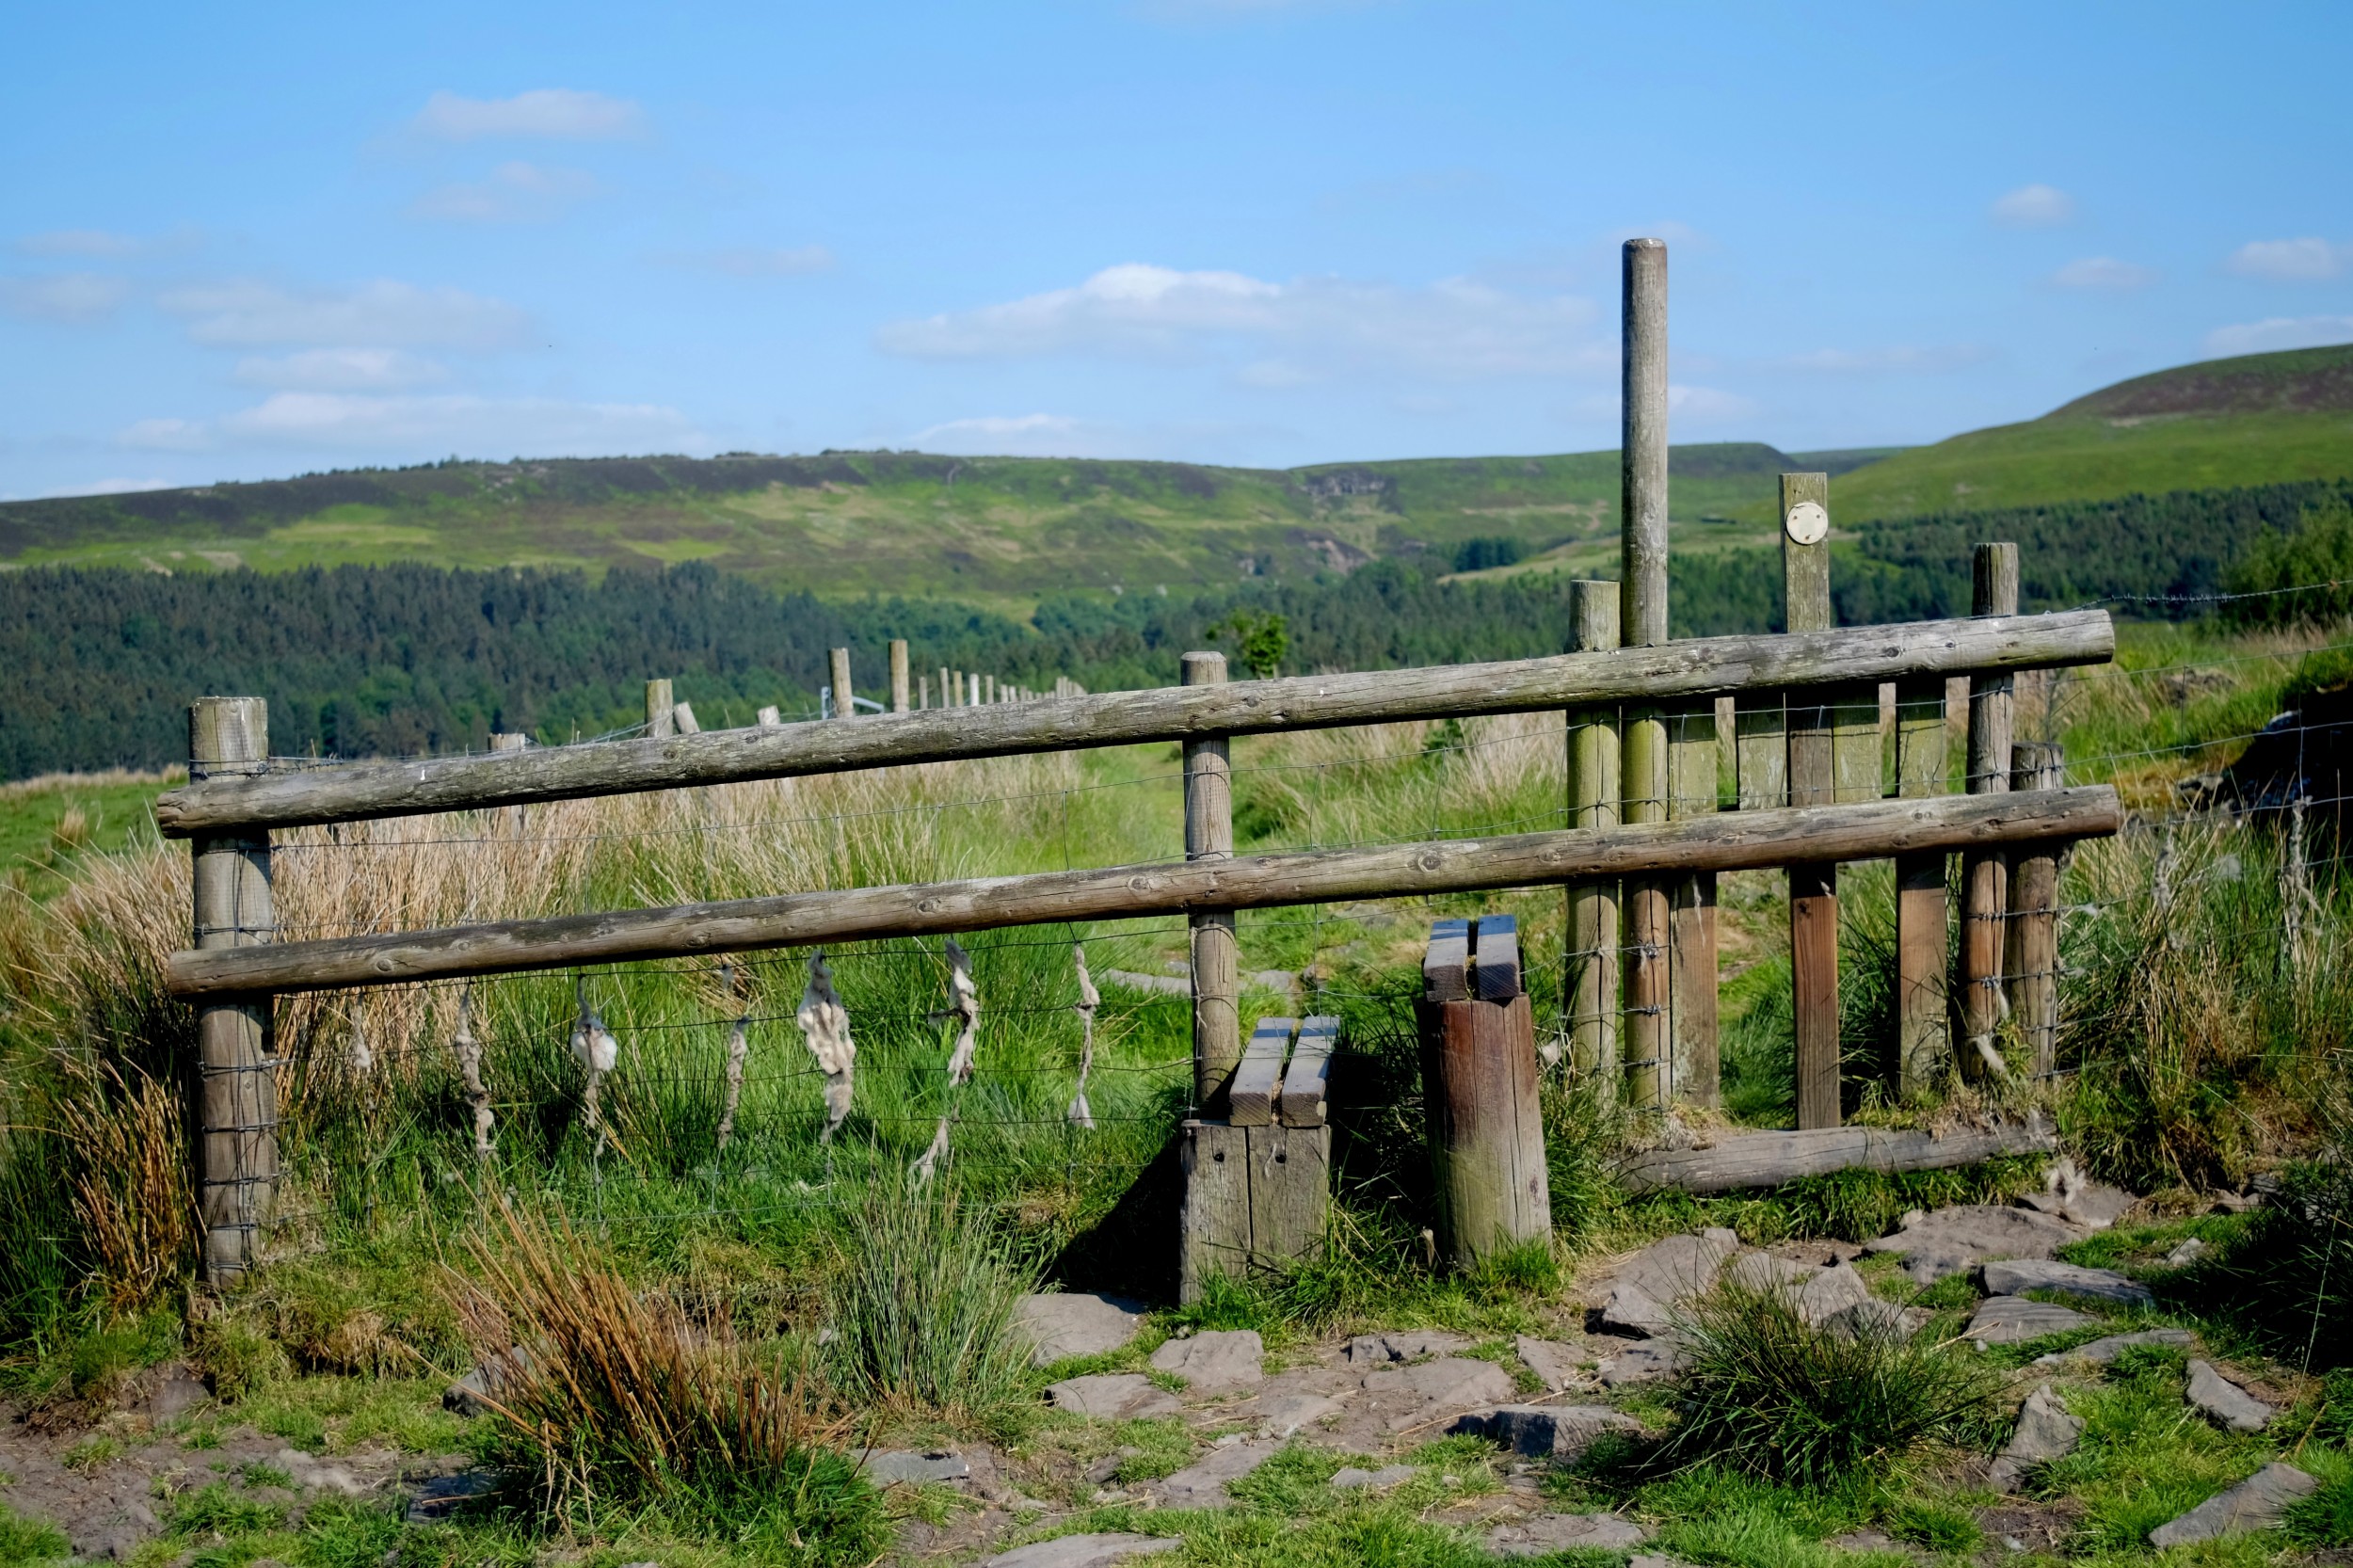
[1262,637]
[2304,575]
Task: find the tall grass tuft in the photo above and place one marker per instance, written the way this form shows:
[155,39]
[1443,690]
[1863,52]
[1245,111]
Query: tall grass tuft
[1768,1394]
[923,1308]
[626,1398]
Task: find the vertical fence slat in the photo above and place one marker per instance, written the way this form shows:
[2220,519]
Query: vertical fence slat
[1691,767]
[660,709]
[1591,986]
[1993,592]
[845,697]
[1642,622]
[2030,955]
[234,1092]
[1923,1019]
[1813,717]
[1216,957]
[900,702]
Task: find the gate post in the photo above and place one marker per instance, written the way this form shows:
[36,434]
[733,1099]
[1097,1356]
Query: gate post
[1642,586]
[1813,779]
[1591,992]
[2030,956]
[1479,1088]
[234,1095]
[1993,592]
[1216,961]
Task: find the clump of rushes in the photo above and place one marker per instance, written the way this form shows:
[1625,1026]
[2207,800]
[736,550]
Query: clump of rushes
[922,1309]
[626,1401]
[1767,1393]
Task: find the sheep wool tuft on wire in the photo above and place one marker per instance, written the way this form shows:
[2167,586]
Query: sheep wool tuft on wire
[1080,1114]
[739,1047]
[362,1058]
[469,1052]
[964,1004]
[825,1027]
[600,1053]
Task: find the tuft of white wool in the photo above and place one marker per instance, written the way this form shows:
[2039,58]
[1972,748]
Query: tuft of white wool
[826,1029]
[964,1004]
[361,1057]
[1080,1114]
[932,1156]
[595,1046]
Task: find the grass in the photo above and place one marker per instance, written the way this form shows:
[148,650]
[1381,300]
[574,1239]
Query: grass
[25,1542]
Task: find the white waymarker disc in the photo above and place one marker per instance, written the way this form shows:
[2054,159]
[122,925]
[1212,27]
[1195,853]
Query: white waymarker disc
[1807,523]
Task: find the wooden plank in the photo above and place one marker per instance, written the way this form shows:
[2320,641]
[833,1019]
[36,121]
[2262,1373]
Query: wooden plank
[1923,1007]
[1291,1187]
[1250,1100]
[1858,758]
[1761,747]
[1216,949]
[1691,667]
[1446,962]
[1213,1226]
[1731,841]
[2030,953]
[1770,1159]
[1691,968]
[1494,957]
[1480,1087]
[1984,875]
[1813,718]
[1648,918]
[1307,1079]
[1590,985]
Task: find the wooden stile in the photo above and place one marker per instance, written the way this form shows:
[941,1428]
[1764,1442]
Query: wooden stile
[1480,1086]
[2031,953]
[1307,1081]
[1258,1184]
[1592,981]
[1259,1076]
[1984,874]
[1216,952]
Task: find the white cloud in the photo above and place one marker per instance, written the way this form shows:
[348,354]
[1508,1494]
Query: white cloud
[62,296]
[416,426]
[1038,436]
[2262,337]
[752,261]
[2301,261]
[2034,207]
[1285,333]
[1899,360]
[343,370]
[118,486]
[77,242]
[2104,272]
[1707,405]
[245,313]
[513,193]
[552,114]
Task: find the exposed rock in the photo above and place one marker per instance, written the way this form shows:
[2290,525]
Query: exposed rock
[442,1496]
[1557,1365]
[1643,1363]
[2077,1198]
[492,1375]
[1084,1551]
[312,1474]
[1112,1396]
[2016,1276]
[1380,1480]
[2013,1320]
[1284,1414]
[2259,1502]
[1539,1431]
[1215,1362]
[177,1391]
[1874,1319]
[1061,1324]
[2044,1433]
[1762,1270]
[903,1468]
[2101,1351]
[1631,1309]
[1379,1350]
[1410,1396]
[2187,1253]
[1678,1267]
[1202,1484]
[2225,1400]
[1827,1292]
[1724,1236]
[1544,1533]
[1950,1240]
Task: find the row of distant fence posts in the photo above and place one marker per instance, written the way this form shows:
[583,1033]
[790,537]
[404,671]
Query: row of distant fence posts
[1645,839]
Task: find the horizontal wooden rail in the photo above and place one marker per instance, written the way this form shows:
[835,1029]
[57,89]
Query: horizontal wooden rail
[1733,840]
[1769,1159]
[1698,667]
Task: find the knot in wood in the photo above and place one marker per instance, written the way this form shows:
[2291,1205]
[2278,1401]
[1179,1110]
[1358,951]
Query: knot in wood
[384,963]
[927,907]
[1429,861]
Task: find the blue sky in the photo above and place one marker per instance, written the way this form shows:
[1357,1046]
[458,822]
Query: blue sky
[239,240]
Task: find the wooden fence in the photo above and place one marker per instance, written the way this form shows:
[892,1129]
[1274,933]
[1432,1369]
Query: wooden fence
[1654,818]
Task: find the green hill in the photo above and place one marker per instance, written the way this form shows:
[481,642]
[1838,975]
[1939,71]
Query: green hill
[2266,419]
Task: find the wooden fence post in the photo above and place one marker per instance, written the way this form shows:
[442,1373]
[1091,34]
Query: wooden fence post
[1642,621]
[234,1095]
[1216,956]
[1813,776]
[505,740]
[1993,592]
[1924,1036]
[658,707]
[900,702]
[844,699]
[1479,1089]
[1692,990]
[1591,989]
[2030,956]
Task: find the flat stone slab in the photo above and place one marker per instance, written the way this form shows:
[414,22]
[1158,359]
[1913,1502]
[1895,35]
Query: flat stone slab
[2045,1432]
[2101,1351]
[1544,1533]
[1084,1551]
[1202,1484]
[2225,1400]
[1631,1309]
[1545,1431]
[1350,1478]
[1949,1240]
[1284,1414]
[1112,1396]
[1410,1396]
[905,1467]
[1379,1350]
[1826,1293]
[1059,1325]
[1216,1362]
[1644,1362]
[2013,1320]
[1678,1268]
[1873,1319]
[2016,1276]
[1555,1365]
[2259,1502]
[1763,1271]
[2093,1205]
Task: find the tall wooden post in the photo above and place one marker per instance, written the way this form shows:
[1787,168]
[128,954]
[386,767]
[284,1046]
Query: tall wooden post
[900,701]
[1480,1089]
[1216,952]
[1813,779]
[1993,592]
[1924,1035]
[512,741]
[844,699]
[1592,981]
[234,1094]
[2031,953]
[1642,621]
[660,709]
[948,693]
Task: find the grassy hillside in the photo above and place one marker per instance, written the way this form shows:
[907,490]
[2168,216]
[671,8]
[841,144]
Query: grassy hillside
[995,531]
[2265,419]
